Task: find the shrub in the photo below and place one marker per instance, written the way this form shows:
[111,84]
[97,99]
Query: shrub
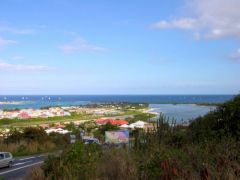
[116,164]
[77,162]
[35,173]
[224,122]
[35,134]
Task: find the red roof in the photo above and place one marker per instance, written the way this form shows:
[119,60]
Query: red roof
[24,115]
[102,121]
[111,121]
[59,126]
[118,122]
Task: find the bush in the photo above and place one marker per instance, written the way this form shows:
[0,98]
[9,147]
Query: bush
[164,163]
[207,149]
[30,141]
[77,162]
[224,122]
[23,148]
[35,134]
[35,173]
[116,164]
[60,140]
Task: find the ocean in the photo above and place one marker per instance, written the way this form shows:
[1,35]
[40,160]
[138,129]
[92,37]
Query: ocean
[181,107]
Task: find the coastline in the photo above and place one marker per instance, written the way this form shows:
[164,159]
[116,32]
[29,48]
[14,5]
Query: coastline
[11,102]
[179,112]
[39,105]
[150,111]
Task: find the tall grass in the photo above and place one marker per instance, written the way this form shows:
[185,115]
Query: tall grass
[27,148]
[35,173]
[167,152]
[116,164]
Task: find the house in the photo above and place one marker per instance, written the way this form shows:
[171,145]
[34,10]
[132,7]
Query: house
[117,122]
[138,124]
[59,126]
[57,130]
[24,115]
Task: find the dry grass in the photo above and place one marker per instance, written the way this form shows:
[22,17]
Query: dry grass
[10,147]
[24,148]
[35,173]
[116,164]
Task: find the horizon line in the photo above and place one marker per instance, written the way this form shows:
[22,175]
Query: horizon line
[118,94]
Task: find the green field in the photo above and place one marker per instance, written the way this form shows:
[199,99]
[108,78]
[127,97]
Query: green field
[50,120]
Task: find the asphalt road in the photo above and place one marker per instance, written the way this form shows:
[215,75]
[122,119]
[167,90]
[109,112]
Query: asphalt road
[21,167]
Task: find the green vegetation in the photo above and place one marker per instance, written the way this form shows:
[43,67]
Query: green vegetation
[50,120]
[122,106]
[32,141]
[141,117]
[77,162]
[133,109]
[220,124]
[208,149]
[208,104]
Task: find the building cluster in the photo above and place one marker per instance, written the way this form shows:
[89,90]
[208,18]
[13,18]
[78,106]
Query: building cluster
[57,130]
[94,111]
[124,124]
[34,113]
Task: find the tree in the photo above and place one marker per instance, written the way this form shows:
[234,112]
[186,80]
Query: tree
[222,123]
[35,134]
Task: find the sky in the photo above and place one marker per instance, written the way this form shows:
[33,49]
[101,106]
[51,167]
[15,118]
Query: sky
[119,47]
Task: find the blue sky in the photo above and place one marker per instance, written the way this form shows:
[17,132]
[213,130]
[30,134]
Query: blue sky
[119,47]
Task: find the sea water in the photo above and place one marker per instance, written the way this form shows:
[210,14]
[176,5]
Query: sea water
[180,107]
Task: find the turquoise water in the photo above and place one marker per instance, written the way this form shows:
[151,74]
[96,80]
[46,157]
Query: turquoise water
[183,110]
[38,101]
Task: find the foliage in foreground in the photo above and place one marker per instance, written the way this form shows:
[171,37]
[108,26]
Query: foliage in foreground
[208,149]
[77,162]
[217,125]
[32,141]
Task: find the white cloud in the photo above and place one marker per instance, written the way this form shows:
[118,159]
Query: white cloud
[10,29]
[208,19]
[5,42]
[19,67]
[235,55]
[184,23]
[80,45]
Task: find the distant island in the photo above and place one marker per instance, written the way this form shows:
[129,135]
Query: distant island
[10,102]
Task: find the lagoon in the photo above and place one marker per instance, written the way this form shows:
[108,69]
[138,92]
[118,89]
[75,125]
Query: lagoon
[181,112]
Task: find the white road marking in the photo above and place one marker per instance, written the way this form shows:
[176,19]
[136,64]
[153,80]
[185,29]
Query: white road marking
[26,158]
[16,164]
[21,168]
